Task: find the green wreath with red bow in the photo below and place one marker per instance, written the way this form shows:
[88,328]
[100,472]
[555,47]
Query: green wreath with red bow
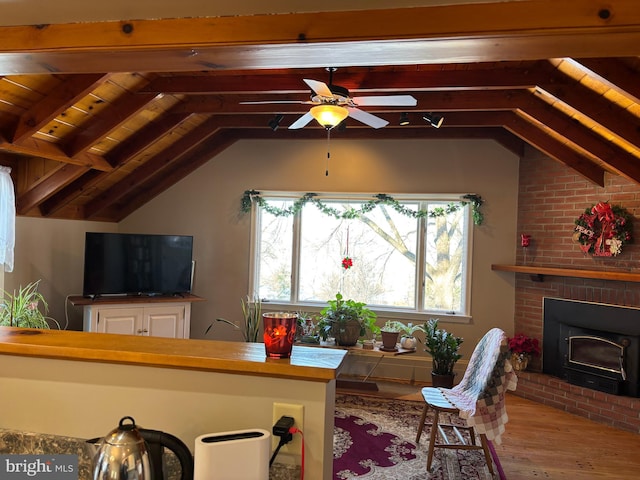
[603,229]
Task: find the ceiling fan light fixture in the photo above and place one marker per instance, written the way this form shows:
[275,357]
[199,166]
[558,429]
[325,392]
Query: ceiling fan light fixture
[433,120]
[274,123]
[404,119]
[329,115]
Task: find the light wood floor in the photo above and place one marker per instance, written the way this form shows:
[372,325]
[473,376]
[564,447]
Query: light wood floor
[541,442]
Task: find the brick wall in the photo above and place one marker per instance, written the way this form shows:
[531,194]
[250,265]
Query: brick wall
[551,197]
[614,410]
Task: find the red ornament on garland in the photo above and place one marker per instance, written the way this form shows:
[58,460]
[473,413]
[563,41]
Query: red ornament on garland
[347,263]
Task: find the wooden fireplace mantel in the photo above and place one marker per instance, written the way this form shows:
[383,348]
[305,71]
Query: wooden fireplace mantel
[539,272]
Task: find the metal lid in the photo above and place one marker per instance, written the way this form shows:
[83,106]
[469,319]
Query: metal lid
[125,434]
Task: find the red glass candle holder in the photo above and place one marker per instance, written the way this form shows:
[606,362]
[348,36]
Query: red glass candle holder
[279,333]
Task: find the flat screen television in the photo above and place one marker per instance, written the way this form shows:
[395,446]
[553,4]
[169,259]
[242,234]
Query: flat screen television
[137,264]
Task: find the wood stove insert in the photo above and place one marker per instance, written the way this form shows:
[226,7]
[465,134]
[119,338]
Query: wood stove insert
[593,345]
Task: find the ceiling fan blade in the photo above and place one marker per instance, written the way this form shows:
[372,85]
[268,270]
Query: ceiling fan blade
[301,122]
[367,118]
[386,101]
[320,88]
[265,102]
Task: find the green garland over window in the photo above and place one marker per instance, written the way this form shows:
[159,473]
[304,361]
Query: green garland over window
[251,196]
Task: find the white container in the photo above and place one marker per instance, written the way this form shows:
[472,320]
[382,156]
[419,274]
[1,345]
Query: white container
[237,455]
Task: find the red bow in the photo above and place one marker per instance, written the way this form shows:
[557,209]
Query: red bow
[603,211]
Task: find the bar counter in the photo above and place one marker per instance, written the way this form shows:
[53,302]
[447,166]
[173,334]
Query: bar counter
[306,363]
[80,384]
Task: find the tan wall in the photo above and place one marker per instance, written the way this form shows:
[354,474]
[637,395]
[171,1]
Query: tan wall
[52,251]
[207,205]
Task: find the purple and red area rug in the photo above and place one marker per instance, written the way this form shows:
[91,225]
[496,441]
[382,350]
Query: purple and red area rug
[374,438]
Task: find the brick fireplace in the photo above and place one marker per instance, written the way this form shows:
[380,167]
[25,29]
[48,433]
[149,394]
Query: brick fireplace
[550,198]
[619,411]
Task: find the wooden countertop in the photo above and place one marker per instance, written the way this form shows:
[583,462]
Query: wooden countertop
[239,358]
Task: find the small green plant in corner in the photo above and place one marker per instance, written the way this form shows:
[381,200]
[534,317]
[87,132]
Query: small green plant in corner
[22,309]
[252,314]
[442,346]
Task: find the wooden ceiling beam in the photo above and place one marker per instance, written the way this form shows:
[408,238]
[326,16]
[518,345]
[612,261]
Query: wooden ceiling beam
[55,102]
[620,161]
[496,31]
[61,199]
[146,137]
[415,78]
[427,102]
[539,139]
[151,167]
[614,118]
[117,157]
[118,113]
[39,148]
[615,73]
[452,119]
[31,198]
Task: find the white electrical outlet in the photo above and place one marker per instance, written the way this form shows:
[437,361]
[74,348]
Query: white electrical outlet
[297,412]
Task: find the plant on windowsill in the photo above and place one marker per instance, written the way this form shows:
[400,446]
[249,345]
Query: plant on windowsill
[407,331]
[306,330]
[346,321]
[22,309]
[252,315]
[443,348]
[522,349]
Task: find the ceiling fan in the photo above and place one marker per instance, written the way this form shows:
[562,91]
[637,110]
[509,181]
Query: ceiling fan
[333,103]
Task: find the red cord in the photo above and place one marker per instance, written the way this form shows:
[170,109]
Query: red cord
[294,430]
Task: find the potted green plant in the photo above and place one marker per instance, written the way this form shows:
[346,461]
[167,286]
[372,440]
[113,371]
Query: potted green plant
[389,333]
[346,321]
[252,315]
[407,331]
[22,308]
[443,348]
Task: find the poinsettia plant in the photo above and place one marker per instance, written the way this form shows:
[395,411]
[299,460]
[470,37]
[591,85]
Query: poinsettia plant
[521,344]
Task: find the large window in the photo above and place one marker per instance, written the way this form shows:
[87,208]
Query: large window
[412,259]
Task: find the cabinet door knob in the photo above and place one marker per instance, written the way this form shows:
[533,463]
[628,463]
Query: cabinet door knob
[143,330]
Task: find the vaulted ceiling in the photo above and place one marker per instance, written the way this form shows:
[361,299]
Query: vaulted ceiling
[95,126]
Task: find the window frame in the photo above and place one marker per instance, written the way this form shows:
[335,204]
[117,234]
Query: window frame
[417,314]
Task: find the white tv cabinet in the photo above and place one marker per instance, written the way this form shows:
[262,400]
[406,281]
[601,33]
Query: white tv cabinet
[149,316]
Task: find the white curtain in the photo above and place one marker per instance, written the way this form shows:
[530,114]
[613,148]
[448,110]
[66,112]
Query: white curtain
[7,219]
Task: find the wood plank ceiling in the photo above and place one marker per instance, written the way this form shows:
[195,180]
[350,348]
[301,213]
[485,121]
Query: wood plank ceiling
[92,143]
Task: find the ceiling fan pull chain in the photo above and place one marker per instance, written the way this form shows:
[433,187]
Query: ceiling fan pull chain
[326,172]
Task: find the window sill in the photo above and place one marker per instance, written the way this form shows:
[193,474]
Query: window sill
[407,316]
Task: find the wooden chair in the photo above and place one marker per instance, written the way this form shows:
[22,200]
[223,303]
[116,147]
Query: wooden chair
[478,398]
